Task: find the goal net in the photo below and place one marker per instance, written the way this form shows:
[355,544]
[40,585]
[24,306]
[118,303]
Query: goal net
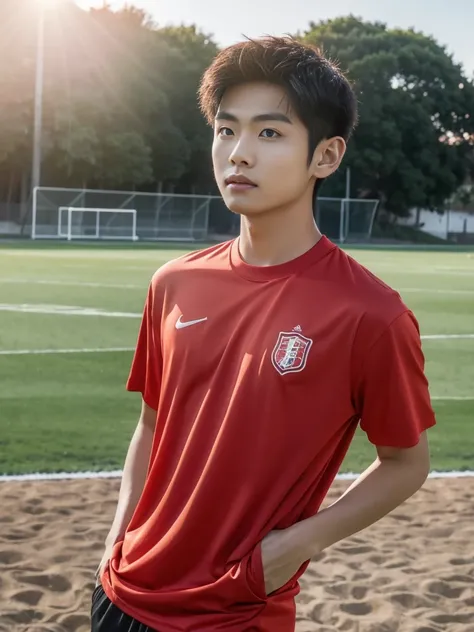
[99,214]
[97,223]
[346,219]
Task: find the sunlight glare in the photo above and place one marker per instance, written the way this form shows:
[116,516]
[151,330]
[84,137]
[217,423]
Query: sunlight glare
[92,4]
[49,4]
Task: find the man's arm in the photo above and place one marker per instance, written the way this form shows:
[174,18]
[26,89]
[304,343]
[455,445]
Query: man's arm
[391,396]
[133,479]
[395,476]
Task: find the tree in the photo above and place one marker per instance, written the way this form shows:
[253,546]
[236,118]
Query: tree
[16,97]
[194,51]
[96,128]
[416,122]
[119,99]
[463,199]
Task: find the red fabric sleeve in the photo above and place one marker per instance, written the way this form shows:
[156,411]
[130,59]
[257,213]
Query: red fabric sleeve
[145,373]
[394,400]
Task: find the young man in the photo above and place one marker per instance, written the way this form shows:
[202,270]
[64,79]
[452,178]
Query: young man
[256,361]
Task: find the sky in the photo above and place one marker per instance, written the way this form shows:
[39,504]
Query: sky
[451,22]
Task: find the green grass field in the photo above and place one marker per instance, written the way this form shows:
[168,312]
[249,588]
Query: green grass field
[70,411]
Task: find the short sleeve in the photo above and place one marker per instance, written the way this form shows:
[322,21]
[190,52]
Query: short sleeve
[393,397]
[145,373]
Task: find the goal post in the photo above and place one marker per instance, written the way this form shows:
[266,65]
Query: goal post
[159,216]
[79,214]
[357,218]
[346,219]
[97,223]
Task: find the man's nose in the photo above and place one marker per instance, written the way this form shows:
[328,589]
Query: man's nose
[242,154]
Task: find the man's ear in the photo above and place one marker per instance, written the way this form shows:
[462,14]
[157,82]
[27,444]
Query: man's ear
[327,157]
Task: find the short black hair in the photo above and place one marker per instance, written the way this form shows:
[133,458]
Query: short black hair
[318,92]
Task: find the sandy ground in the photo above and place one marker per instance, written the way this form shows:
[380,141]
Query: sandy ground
[411,572]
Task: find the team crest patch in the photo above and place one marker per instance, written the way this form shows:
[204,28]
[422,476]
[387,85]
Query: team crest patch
[291,352]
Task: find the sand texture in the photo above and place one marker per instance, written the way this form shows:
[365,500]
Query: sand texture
[411,572]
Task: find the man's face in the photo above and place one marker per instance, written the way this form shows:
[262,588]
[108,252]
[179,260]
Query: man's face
[257,137]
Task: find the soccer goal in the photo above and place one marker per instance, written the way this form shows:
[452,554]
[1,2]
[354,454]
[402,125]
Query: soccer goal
[346,219]
[100,214]
[97,223]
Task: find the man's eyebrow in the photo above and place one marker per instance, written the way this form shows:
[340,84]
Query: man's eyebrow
[267,116]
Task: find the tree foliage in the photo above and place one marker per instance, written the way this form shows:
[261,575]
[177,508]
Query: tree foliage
[120,108]
[119,98]
[416,126]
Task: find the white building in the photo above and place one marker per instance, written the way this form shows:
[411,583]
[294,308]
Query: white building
[440,225]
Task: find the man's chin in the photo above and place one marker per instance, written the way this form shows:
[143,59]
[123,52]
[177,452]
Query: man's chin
[246,210]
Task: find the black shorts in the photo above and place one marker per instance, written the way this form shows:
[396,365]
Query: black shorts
[106,617]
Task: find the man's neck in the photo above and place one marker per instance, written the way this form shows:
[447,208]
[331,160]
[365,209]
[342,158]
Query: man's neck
[276,238]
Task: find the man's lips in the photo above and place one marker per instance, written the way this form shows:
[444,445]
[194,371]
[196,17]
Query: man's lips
[239,182]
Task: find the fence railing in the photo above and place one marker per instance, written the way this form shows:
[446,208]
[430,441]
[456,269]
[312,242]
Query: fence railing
[166,216]
[160,216]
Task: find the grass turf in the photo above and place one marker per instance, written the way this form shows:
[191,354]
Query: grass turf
[70,412]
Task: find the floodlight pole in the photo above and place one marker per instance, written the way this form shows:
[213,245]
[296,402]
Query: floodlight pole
[39,88]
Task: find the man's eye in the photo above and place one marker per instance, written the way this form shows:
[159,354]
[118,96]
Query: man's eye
[225,131]
[270,133]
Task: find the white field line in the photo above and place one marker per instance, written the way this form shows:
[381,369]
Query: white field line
[427,290]
[65,310]
[84,255]
[447,336]
[92,266]
[455,268]
[129,349]
[72,310]
[389,269]
[120,286]
[130,286]
[58,351]
[414,269]
[454,398]
[10,352]
[5,478]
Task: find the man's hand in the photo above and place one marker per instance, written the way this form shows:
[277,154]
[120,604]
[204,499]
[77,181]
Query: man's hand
[103,562]
[283,554]
[387,483]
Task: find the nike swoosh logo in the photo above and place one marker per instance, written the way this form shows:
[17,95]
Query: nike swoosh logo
[190,323]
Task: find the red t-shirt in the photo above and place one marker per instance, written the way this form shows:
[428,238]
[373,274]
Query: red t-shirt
[260,376]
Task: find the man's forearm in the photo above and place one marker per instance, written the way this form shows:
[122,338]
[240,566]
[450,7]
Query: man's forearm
[133,481]
[379,490]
